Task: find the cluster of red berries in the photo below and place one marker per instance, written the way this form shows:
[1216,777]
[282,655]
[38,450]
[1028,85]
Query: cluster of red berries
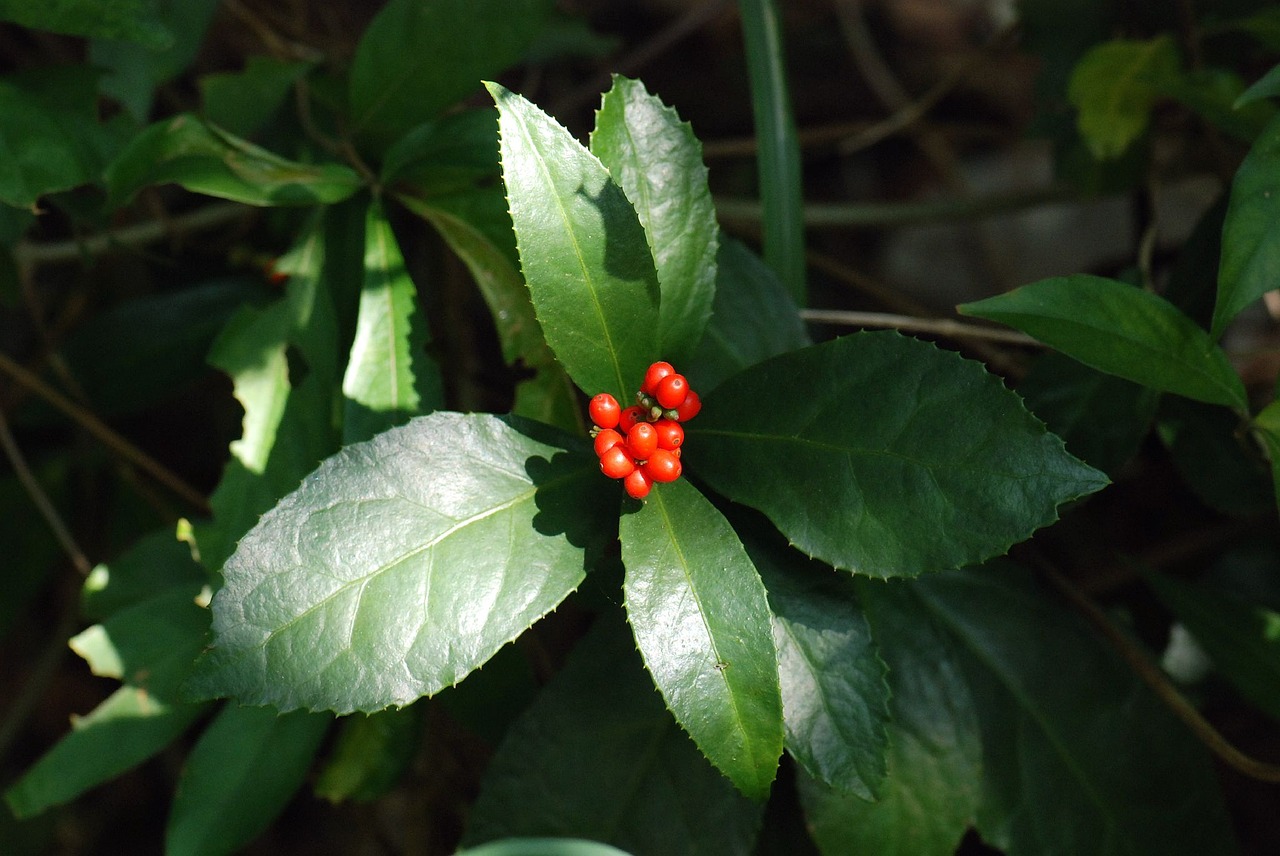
[641,443]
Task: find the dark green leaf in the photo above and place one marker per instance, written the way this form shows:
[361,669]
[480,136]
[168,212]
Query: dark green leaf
[701,620]
[1267,424]
[597,756]
[153,564]
[415,59]
[370,754]
[389,376]
[931,794]
[884,455]
[1115,86]
[1241,638]
[583,250]
[402,564]
[34,557]
[1125,331]
[1214,94]
[658,161]
[753,318]
[122,732]
[1250,245]
[454,154]
[1267,86]
[1078,755]
[1220,465]
[241,102]
[835,701]
[1101,418]
[242,771]
[186,151]
[133,20]
[543,847]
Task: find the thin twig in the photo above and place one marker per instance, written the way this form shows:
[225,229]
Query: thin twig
[29,253]
[1156,679]
[41,499]
[43,673]
[947,327]
[105,434]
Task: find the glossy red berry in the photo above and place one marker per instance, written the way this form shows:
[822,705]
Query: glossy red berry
[642,440]
[616,463]
[630,417]
[670,434]
[605,410]
[654,376]
[672,391]
[638,484]
[662,466]
[606,440]
[689,407]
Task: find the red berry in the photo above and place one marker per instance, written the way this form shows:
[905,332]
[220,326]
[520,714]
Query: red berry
[642,440]
[604,410]
[672,390]
[670,434]
[689,407]
[638,484]
[616,463]
[606,440]
[654,376]
[663,466]
[630,417]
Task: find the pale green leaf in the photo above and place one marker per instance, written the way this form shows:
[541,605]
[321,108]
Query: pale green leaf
[1115,85]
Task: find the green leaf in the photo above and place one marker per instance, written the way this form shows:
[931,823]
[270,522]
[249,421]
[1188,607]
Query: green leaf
[1121,330]
[1214,94]
[49,135]
[583,250]
[597,756]
[701,620]
[753,318]
[1241,638]
[241,102]
[883,455]
[658,161]
[402,564]
[1267,426]
[1077,753]
[132,20]
[930,796]
[122,732]
[186,151]
[1115,85]
[1250,264]
[543,847]
[389,377]
[1219,463]
[1102,419]
[370,754]
[415,59]
[1267,86]
[835,701]
[241,773]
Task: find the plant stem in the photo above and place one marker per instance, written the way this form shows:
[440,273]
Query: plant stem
[948,327]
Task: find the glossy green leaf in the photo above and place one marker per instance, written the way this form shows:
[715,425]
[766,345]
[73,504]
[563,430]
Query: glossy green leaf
[1102,419]
[1122,330]
[835,700]
[658,161]
[49,135]
[884,455]
[597,756]
[241,102]
[1267,86]
[1115,85]
[415,59]
[701,620]
[186,151]
[1077,753]
[543,847]
[930,796]
[1220,464]
[753,318]
[1250,263]
[402,564]
[122,732]
[584,253]
[241,773]
[389,377]
[1267,425]
[370,754]
[134,20]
